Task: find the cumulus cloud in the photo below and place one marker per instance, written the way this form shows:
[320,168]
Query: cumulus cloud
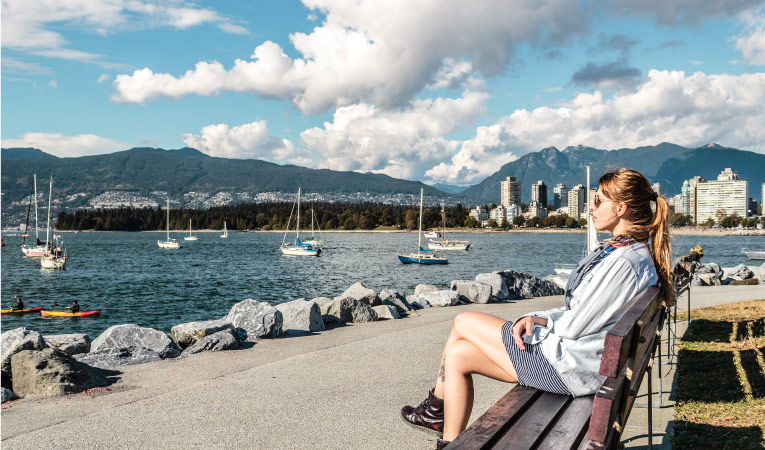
[401,143]
[368,51]
[751,42]
[672,12]
[249,141]
[668,106]
[612,75]
[67,146]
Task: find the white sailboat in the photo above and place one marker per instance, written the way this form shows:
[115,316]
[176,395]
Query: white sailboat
[36,250]
[225,231]
[169,243]
[190,237]
[312,240]
[591,239]
[422,256]
[447,244]
[53,257]
[299,248]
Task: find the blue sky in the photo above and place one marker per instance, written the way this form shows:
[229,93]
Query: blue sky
[440,91]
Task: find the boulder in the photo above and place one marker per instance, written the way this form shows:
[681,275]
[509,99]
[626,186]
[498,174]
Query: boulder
[420,304]
[345,310]
[118,356]
[50,371]
[761,270]
[187,334]
[497,283]
[386,312]
[705,279]
[8,395]
[14,341]
[520,285]
[422,288]
[71,344]
[445,297]
[396,299]
[559,280]
[472,291]
[129,335]
[216,342]
[740,272]
[747,282]
[709,268]
[302,315]
[258,319]
[412,300]
[361,293]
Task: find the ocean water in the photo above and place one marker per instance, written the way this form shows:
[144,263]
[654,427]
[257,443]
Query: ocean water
[130,280]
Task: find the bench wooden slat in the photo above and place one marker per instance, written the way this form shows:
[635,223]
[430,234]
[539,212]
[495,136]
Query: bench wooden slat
[492,424]
[533,425]
[570,429]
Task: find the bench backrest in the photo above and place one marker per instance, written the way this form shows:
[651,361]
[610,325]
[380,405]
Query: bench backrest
[628,351]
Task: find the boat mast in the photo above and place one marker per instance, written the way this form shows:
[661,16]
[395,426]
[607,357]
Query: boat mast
[443,222]
[26,227]
[168,219]
[419,234]
[312,234]
[297,229]
[50,196]
[37,237]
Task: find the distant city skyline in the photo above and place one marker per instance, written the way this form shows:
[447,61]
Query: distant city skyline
[436,91]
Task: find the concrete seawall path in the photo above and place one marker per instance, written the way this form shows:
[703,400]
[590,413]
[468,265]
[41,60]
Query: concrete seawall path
[339,389]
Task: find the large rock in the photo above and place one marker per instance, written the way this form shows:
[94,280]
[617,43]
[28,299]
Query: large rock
[257,319]
[187,334]
[52,372]
[14,341]
[559,280]
[107,358]
[747,282]
[216,342]
[472,291]
[496,281]
[412,300]
[129,335]
[520,285]
[345,310]
[761,270]
[301,315]
[422,288]
[397,299]
[445,297]
[705,279]
[361,293]
[9,395]
[71,344]
[709,268]
[386,312]
[740,272]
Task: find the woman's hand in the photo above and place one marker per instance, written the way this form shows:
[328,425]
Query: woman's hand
[526,324]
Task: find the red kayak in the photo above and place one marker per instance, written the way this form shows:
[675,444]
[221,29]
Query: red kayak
[68,314]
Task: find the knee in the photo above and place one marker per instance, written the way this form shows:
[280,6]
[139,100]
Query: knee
[462,322]
[458,353]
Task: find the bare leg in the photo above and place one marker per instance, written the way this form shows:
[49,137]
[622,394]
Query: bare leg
[474,346]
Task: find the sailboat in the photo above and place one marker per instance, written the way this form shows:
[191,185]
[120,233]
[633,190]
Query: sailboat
[225,231]
[53,257]
[169,243]
[422,256]
[312,240]
[447,244]
[190,237]
[299,248]
[591,239]
[37,250]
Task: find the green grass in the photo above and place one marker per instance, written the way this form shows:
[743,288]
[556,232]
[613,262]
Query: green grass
[721,386]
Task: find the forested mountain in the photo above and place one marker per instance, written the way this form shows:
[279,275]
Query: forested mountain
[666,163]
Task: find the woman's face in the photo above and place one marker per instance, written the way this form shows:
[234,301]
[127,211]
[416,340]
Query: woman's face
[603,211]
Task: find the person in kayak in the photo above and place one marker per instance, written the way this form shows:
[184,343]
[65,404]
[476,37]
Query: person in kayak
[17,303]
[75,307]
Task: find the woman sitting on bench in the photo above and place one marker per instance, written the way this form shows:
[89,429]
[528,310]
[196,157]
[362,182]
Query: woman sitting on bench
[558,350]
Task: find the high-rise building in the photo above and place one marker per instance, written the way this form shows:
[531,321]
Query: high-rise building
[539,193]
[724,197]
[685,194]
[689,196]
[762,201]
[676,203]
[657,188]
[560,196]
[510,192]
[577,196]
[536,209]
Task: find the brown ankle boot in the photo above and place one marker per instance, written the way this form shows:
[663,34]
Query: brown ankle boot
[428,416]
[441,444]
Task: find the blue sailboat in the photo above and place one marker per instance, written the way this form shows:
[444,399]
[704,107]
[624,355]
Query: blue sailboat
[422,256]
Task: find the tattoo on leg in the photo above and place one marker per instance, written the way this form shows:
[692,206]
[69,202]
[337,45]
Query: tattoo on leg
[442,370]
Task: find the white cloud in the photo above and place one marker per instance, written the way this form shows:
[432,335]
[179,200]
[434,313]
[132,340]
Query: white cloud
[401,143]
[101,78]
[751,42]
[67,146]
[249,141]
[368,51]
[53,83]
[668,106]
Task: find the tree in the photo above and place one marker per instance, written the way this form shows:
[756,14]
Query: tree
[681,220]
[470,222]
[505,224]
[720,214]
[582,222]
[492,223]
[533,222]
[519,221]
[709,223]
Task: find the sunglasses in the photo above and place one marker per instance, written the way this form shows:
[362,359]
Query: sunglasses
[597,201]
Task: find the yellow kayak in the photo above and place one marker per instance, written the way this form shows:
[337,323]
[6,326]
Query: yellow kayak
[68,314]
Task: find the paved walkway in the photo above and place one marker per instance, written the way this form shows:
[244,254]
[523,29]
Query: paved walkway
[339,389]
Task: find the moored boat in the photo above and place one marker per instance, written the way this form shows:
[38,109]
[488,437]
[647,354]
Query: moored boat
[753,254]
[444,243]
[190,237]
[169,243]
[299,248]
[422,256]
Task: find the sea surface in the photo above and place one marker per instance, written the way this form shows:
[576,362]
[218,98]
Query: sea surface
[129,279]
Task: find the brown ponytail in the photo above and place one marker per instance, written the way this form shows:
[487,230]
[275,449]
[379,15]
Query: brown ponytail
[634,190]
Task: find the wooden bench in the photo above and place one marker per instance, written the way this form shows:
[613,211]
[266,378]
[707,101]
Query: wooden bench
[527,418]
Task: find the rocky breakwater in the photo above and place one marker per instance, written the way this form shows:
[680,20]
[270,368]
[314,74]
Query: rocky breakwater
[52,365]
[713,275]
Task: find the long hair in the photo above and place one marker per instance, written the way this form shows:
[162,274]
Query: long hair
[634,190]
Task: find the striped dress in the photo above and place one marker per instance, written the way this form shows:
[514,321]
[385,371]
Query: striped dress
[533,369]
